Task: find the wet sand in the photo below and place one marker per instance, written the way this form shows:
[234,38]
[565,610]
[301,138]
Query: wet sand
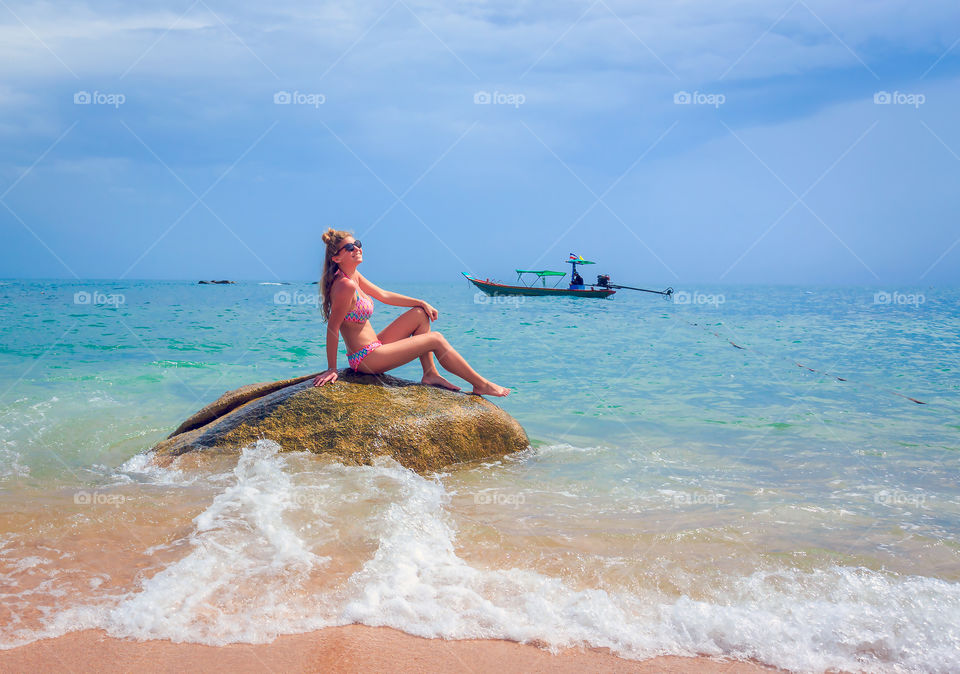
[353,648]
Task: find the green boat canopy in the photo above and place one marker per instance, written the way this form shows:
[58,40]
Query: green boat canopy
[541,273]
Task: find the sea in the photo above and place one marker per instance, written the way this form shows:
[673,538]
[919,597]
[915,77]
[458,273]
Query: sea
[753,472]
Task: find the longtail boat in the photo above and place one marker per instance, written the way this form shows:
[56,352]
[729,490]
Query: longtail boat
[602,289]
[492,288]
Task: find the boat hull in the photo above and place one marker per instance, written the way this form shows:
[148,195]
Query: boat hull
[494,289]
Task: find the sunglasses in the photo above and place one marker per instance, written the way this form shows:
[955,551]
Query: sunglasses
[349,247]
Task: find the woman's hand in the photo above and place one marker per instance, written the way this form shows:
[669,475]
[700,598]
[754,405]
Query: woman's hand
[432,313]
[325,377]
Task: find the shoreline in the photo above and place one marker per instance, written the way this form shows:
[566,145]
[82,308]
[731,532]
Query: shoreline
[349,648]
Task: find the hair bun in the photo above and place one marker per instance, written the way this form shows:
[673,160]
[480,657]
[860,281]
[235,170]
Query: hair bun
[329,235]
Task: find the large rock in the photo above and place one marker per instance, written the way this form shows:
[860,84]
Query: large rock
[354,419]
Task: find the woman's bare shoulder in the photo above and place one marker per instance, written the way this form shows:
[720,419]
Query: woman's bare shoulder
[343,285]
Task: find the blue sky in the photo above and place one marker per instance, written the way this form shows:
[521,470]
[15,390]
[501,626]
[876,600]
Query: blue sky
[783,168]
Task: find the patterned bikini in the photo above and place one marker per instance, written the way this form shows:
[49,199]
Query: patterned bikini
[361,313]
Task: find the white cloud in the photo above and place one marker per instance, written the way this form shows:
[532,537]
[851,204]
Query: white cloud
[698,40]
[82,38]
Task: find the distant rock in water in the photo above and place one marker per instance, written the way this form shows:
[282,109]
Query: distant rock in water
[203,283]
[354,419]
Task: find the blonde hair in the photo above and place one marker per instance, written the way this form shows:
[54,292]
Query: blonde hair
[333,238]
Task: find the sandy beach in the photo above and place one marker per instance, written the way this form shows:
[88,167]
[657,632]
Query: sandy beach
[353,648]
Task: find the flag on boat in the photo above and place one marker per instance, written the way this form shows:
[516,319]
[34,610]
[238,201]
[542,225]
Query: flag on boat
[574,256]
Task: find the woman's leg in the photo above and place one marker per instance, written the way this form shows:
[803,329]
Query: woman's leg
[413,322]
[407,324]
[395,354]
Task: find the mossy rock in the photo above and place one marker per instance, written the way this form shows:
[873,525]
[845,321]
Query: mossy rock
[354,419]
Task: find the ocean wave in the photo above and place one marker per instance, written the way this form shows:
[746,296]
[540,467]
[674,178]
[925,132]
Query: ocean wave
[841,618]
[240,581]
[250,568]
[245,559]
[22,420]
[556,449]
[10,466]
[141,468]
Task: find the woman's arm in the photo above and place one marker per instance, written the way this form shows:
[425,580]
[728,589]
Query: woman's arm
[395,299]
[340,304]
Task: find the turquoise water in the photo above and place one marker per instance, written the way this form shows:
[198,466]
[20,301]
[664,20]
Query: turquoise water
[681,495]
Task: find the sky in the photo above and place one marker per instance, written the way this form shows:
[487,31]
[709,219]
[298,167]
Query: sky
[707,141]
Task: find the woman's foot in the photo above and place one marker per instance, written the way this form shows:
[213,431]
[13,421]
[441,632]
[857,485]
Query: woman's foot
[435,379]
[488,388]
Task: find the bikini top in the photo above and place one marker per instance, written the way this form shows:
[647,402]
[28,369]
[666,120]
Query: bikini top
[362,309]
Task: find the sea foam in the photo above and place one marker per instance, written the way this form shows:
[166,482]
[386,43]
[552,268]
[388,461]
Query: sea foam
[246,579]
[841,618]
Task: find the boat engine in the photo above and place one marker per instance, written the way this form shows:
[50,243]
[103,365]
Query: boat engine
[603,280]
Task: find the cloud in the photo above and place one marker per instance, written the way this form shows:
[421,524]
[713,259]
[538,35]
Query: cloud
[399,80]
[697,40]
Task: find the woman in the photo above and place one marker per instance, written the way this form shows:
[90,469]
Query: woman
[347,308]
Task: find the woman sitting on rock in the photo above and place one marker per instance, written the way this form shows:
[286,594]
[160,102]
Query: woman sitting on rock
[347,308]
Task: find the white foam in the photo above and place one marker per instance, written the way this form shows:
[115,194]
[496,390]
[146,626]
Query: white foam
[564,448]
[238,583]
[245,577]
[10,466]
[843,618]
[235,585]
[141,468]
